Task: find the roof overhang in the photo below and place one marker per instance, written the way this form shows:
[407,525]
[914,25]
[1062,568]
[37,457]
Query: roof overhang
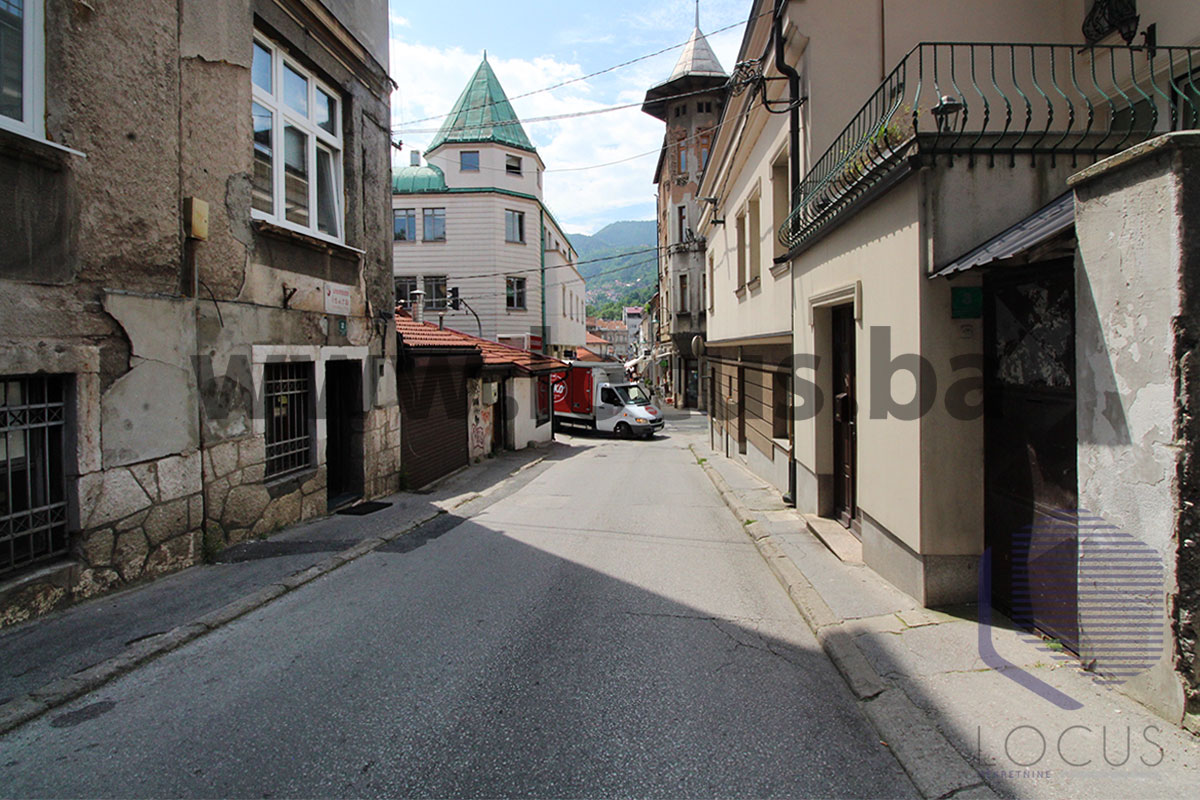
[656,100]
[1030,233]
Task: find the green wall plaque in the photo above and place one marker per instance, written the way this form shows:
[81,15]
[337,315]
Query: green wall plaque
[966,302]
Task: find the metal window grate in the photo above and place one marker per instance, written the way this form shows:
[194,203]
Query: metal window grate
[33,506]
[287,394]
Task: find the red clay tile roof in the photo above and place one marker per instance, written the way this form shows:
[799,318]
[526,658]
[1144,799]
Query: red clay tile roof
[426,334]
[594,339]
[583,354]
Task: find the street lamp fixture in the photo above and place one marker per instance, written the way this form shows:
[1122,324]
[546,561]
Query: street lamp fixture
[946,113]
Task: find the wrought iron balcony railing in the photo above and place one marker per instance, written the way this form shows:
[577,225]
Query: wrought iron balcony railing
[996,102]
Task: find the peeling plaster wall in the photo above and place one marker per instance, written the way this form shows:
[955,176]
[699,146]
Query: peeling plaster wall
[1133,382]
[163,443]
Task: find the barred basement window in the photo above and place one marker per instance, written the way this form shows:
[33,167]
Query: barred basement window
[33,506]
[287,394]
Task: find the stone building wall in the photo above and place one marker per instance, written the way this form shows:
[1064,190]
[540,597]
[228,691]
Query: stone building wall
[154,333]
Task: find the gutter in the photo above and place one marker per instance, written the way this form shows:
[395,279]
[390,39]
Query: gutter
[794,180]
[542,250]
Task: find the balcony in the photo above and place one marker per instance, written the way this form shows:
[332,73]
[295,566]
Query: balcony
[993,103]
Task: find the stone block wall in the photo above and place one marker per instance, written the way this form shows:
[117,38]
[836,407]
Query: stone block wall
[381,441]
[241,504]
[136,523]
[140,521]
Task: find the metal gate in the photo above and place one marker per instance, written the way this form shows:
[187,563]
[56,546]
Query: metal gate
[1030,446]
[33,505]
[433,429]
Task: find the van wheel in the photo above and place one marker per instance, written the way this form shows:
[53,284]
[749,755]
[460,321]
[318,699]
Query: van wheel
[623,431]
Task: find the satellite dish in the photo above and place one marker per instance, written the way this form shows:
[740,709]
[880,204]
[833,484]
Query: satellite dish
[698,346]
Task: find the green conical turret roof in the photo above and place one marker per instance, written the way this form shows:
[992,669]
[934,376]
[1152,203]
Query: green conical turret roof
[483,114]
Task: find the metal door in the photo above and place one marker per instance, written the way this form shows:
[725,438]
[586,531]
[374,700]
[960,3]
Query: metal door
[433,430]
[1030,447]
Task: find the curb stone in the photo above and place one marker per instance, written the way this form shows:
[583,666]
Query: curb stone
[29,706]
[933,764]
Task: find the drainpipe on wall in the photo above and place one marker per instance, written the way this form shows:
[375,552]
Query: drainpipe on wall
[794,181]
[542,248]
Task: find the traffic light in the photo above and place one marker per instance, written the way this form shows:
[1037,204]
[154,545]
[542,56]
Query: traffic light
[455,303]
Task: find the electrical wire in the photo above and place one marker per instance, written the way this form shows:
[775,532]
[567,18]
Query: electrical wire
[711,130]
[556,117]
[589,76]
[509,272]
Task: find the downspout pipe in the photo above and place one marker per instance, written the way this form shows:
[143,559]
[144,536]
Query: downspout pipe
[793,78]
[542,249]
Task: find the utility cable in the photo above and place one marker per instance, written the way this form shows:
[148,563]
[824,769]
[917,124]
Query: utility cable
[571,115]
[590,75]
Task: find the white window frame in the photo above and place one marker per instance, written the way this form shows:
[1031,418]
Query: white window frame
[410,212]
[281,115]
[510,297]
[432,213]
[33,75]
[514,226]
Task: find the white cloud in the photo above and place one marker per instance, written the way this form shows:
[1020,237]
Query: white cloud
[399,21]
[431,79]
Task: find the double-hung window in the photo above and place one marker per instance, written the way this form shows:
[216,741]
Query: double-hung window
[22,80]
[514,226]
[297,179]
[434,223]
[515,293]
[405,286]
[435,291]
[404,224]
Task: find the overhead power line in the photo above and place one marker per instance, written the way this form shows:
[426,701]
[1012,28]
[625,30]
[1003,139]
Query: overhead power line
[570,81]
[568,115]
[508,272]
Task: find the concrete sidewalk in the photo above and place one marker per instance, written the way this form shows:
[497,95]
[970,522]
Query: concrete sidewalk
[969,709]
[50,660]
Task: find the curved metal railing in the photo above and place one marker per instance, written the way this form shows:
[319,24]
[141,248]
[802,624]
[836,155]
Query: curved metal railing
[997,101]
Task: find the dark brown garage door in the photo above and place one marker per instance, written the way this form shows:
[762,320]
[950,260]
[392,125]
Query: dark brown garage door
[433,424]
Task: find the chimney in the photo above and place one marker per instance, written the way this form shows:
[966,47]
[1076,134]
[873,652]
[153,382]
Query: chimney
[417,299]
[414,158]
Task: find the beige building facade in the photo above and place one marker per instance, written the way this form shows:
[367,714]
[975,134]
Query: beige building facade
[896,217]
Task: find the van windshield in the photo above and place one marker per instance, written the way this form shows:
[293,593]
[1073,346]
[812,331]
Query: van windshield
[634,394]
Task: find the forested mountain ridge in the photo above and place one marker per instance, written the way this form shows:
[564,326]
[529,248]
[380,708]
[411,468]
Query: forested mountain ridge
[619,263]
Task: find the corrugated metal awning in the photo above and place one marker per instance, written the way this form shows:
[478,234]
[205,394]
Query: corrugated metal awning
[1045,223]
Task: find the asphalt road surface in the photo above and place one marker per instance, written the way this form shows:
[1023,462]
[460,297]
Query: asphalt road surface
[601,628]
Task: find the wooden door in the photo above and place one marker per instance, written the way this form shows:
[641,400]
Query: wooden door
[845,410]
[343,429]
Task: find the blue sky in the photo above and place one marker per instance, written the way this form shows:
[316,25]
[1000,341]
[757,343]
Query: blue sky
[531,45]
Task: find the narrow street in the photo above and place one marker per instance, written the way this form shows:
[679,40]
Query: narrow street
[599,627]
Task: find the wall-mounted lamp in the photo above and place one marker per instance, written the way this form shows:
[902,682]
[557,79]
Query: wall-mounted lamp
[712,201]
[946,112]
